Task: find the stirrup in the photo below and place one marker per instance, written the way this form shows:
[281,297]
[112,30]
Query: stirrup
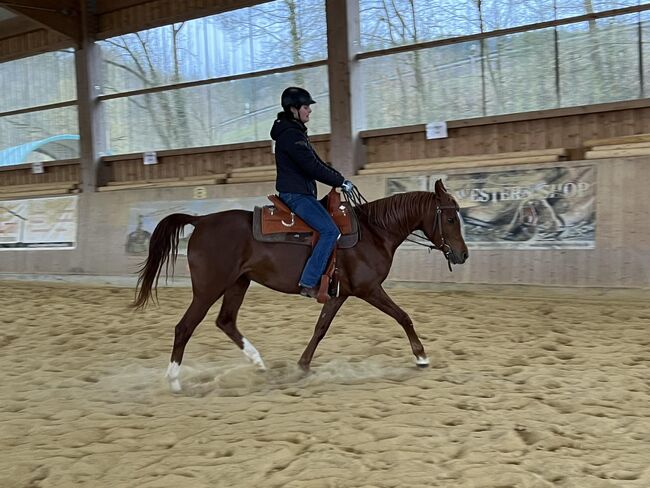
[323,290]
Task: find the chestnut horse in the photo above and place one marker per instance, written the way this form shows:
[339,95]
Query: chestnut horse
[224,258]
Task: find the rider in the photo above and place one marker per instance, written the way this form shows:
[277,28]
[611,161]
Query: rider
[298,169]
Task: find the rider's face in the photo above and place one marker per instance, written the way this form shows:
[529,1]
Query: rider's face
[303,113]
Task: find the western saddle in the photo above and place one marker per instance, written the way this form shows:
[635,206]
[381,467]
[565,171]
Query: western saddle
[277,223]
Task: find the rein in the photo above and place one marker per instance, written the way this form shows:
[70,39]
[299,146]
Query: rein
[356,199]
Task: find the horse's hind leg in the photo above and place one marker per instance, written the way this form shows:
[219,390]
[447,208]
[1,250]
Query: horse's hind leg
[184,330]
[380,299]
[326,316]
[227,319]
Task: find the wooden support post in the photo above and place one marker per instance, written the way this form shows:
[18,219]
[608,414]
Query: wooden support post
[346,150]
[91,122]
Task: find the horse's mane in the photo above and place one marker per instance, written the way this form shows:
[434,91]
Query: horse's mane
[397,211]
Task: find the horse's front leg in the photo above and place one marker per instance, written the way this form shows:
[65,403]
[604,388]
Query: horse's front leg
[379,298]
[326,316]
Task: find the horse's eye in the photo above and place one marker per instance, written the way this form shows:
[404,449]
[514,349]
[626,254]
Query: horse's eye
[450,220]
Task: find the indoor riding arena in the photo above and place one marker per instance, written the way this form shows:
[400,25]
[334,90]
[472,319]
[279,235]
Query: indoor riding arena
[493,276]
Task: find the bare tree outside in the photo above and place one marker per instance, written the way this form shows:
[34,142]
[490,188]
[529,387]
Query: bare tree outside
[270,35]
[39,80]
[503,74]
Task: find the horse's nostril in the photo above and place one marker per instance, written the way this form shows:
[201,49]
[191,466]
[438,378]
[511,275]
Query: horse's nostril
[465,256]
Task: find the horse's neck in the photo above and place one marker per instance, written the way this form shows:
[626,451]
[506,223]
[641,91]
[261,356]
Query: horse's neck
[397,216]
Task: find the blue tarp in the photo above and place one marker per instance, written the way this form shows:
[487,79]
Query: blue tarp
[18,154]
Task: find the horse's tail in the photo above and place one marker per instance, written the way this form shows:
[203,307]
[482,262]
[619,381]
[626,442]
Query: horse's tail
[163,250]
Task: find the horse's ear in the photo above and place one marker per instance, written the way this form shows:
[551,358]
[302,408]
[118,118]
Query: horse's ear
[439,187]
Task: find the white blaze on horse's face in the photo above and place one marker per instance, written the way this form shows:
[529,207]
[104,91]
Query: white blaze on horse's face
[253,355]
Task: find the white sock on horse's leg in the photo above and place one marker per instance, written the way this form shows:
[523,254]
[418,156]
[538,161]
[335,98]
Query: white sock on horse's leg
[422,361]
[173,374]
[252,354]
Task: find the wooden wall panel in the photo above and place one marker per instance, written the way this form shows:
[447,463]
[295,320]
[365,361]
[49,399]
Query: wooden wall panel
[568,131]
[31,43]
[61,171]
[199,161]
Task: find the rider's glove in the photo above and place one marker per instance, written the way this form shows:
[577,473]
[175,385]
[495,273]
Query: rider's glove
[347,186]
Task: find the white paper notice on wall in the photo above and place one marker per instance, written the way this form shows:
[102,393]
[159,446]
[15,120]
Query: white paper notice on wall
[150,157]
[437,130]
[37,167]
[200,193]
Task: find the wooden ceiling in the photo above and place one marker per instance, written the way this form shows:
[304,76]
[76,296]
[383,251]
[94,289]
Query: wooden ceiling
[30,27]
[62,16]
[77,20]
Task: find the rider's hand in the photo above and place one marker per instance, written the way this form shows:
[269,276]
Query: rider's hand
[347,186]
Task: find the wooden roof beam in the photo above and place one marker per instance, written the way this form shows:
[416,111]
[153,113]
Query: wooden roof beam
[104,6]
[63,16]
[17,26]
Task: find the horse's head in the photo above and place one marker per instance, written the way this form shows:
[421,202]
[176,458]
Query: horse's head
[442,226]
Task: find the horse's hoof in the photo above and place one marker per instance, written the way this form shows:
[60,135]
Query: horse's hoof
[253,355]
[305,373]
[422,362]
[172,375]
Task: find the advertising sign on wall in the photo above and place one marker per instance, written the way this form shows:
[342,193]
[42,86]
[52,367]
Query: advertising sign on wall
[41,223]
[542,208]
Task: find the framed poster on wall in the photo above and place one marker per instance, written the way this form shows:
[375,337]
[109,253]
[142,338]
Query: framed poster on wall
[144,216]
[39,223]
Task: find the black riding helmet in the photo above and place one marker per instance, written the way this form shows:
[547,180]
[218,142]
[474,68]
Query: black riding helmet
[295,97]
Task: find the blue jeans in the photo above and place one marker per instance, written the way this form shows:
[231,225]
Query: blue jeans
[314,214]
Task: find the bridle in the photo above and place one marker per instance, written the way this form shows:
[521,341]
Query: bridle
[356,198]
[437,223]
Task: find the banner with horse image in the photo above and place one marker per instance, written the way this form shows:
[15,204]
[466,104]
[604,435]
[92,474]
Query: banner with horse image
[542,208]
[144,217]
[40,223]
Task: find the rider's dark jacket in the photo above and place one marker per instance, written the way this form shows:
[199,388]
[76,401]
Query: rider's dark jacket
[298,165]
